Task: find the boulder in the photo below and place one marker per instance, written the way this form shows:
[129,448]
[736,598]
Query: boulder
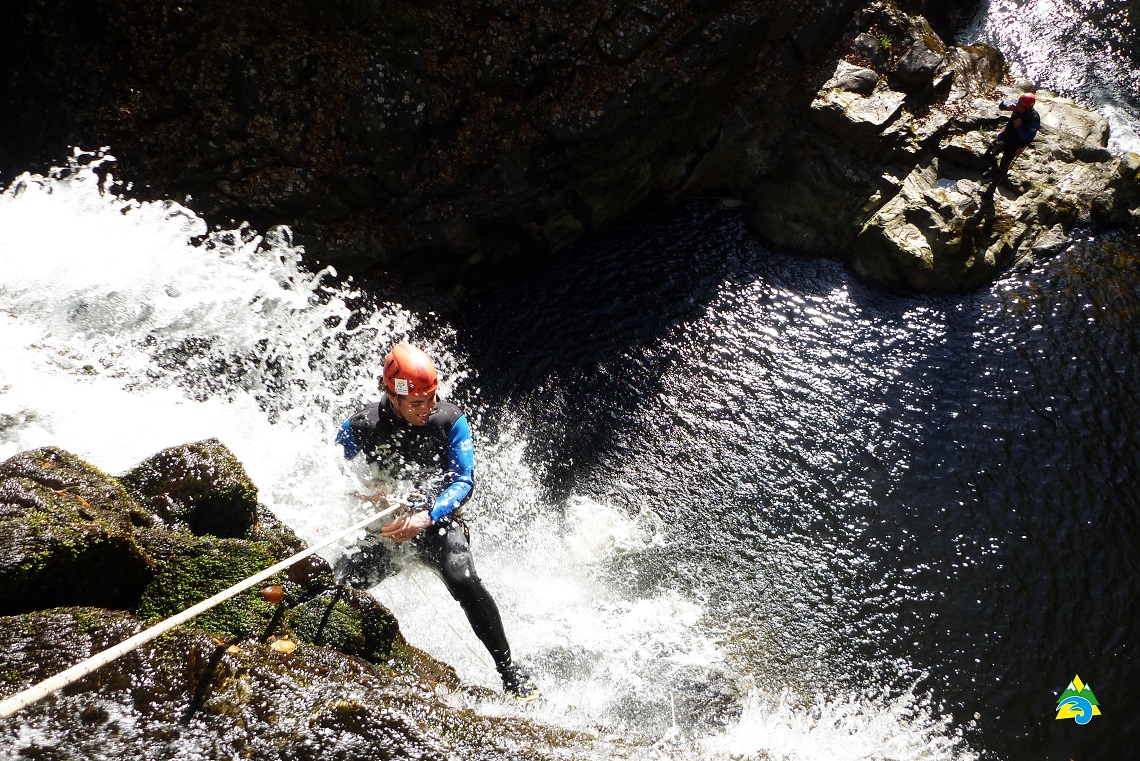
[74,536]
[818,205]
[915,70]
[841,112]
[977,69]
[67,535]
[891,179]
[201,486]
[1122,206]
[869,48]
[852,78]
[1074,133]
[926,236]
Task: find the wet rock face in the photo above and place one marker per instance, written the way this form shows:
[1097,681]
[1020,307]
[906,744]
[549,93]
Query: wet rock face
[72,535]
[422,138]
[184,696]
[201,486]
[66,535]
[433,142]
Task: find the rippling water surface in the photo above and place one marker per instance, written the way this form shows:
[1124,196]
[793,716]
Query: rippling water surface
[1087,50]
[871,494]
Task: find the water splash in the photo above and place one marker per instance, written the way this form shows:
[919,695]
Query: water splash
[597,530]
[782,727]
[129,326]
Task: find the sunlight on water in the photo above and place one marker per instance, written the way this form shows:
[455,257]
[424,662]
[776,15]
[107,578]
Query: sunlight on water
[127,327]
[1083,50]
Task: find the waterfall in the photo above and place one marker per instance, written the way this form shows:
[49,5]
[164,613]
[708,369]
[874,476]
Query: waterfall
[130,326]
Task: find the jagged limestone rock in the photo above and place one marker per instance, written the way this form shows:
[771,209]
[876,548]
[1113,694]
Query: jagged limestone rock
[852,78]
[890,180]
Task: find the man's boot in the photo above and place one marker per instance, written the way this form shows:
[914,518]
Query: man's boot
[517,681]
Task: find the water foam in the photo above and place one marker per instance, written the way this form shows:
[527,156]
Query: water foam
[129,326]
[781,727]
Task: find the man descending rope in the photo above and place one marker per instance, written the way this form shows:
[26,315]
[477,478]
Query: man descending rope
[1019,132]
[410,433]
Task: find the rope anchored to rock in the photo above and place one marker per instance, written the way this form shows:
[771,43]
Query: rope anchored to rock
[38,692]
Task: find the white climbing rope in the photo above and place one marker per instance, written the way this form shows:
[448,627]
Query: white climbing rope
[35,693]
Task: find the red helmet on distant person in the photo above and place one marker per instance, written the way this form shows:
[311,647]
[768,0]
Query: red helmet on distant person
[410,372]
[1027,100]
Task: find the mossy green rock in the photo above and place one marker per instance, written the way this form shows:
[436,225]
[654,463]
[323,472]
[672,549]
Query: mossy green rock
[72,535]
[202,486]
[66,535]
[348,620]
[191,569]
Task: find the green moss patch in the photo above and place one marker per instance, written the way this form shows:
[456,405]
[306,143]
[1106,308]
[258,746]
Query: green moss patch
[201,486]
[192,569]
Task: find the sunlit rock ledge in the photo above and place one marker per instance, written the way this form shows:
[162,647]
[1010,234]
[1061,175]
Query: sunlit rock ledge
[87,560]
[887,172]
[411,141]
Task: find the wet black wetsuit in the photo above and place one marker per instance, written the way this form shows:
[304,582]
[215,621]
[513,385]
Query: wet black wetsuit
[438,457]
[1013,139]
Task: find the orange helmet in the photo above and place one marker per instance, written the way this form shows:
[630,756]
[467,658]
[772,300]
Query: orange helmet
[409,372]
[1027,100]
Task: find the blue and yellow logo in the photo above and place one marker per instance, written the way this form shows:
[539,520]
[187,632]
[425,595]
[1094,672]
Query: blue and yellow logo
[1077,702]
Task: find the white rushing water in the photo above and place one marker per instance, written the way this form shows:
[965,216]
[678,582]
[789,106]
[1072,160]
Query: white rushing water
[1078,48]
[127,327]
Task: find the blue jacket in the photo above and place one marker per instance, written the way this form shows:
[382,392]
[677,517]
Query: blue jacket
[1030,123]
[440,452]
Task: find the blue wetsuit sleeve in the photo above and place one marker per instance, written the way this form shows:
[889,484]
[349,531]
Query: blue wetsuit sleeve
[461,467]
[345,438]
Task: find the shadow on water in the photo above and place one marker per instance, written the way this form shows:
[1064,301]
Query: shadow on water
[941,487]
[578,346]
[1031,484]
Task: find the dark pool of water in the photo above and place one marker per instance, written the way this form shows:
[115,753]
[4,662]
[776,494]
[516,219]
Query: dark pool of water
[865,489]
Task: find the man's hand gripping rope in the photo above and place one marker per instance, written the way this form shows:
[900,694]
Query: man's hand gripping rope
[408,524]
